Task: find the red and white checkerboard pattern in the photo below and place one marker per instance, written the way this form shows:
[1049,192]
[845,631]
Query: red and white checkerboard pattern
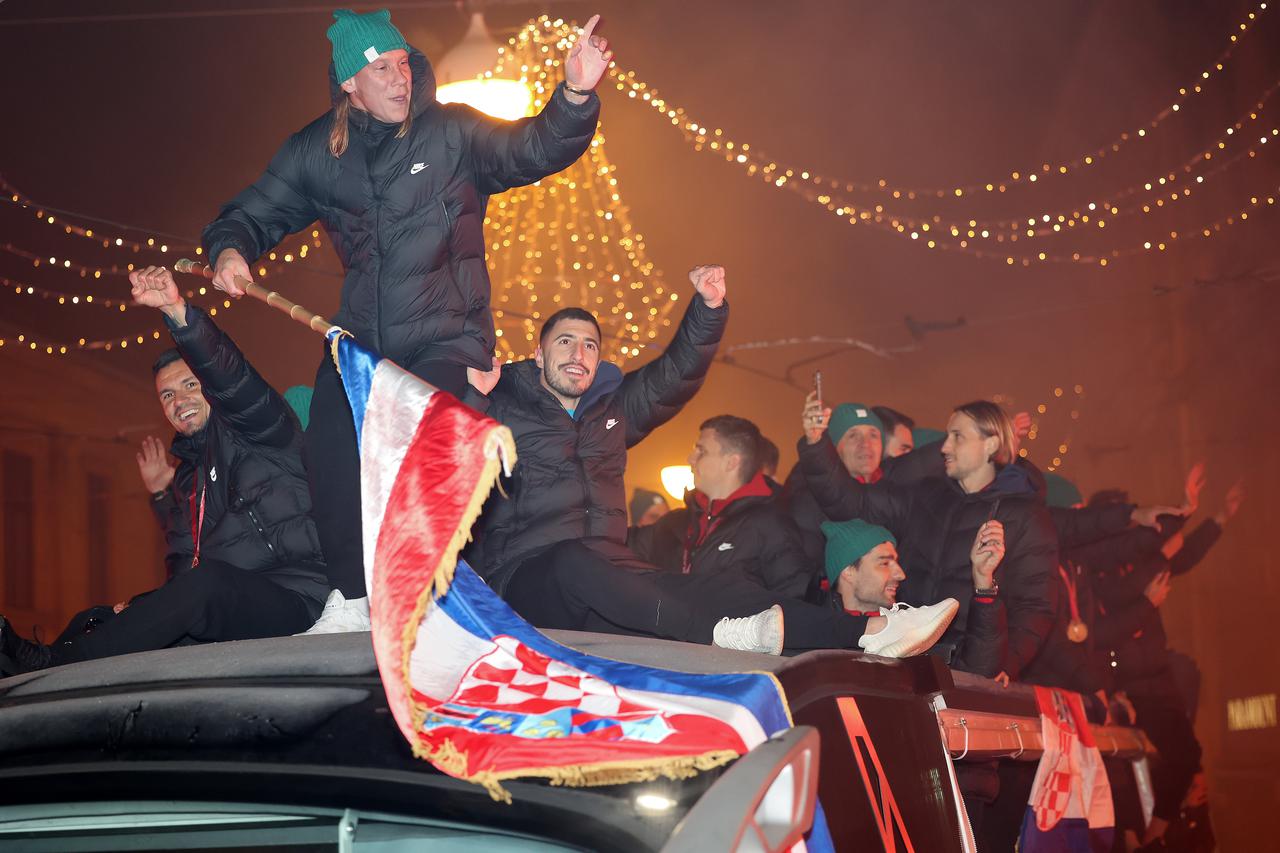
[518,679]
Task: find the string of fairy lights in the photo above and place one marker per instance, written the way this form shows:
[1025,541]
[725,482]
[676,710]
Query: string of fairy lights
[150,243]
[716,140]
[969,236]
[1068,399]
[544,38]
[569,239]
[157,242]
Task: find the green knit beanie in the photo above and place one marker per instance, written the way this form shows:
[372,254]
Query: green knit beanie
[1060,491]
[920,436]
[849,415]
[299,399]
[848,542]
[359,39]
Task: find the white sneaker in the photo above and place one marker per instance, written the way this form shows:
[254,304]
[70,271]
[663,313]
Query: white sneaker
[340,615]
[910,630]
[759,633]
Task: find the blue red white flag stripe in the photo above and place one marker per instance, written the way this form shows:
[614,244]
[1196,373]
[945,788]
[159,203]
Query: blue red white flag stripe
[475,689]
[1070,808]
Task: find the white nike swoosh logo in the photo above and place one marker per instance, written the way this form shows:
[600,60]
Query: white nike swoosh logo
[611,423]
[725,546]
[417,167]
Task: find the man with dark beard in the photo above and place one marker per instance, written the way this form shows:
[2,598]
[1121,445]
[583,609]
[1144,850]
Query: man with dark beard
[574,416]
[556,548]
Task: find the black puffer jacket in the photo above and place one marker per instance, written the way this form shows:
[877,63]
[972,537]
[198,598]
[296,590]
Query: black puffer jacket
[567,483]
[247,462]
[747,536]
[1132,632]
[1075,525]
[808,517]
[407,215]
[935,523]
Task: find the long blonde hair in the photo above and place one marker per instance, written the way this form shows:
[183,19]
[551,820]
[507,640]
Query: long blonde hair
[338,130]
[992,421]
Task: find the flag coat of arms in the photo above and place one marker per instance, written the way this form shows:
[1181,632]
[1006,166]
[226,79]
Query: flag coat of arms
[474,689]
[1070,808]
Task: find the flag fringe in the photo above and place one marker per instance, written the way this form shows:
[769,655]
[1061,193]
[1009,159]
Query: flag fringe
[499,453]
[453,761]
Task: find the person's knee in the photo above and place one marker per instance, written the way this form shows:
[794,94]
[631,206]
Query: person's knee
[206,582]
[564,563]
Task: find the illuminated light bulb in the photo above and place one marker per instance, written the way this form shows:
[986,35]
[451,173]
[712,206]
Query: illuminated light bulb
[465,76]
[677,479]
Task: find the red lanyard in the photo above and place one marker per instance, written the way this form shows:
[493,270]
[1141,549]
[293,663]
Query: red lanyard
[1071,594]
[197,522]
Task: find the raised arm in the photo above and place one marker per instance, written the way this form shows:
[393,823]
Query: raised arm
[839,496]
[654,394]
[235,391]
[509,154]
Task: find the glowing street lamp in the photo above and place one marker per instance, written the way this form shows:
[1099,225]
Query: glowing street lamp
[677,479]
[465,75]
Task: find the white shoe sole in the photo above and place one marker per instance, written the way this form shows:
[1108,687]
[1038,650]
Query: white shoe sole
[776,650]
[910,646]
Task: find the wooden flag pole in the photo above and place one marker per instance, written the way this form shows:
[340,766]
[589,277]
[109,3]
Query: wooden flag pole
[257,291]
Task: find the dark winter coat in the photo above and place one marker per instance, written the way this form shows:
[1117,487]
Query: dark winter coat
[808,517]
[1133,640]
[1062,662]
[935,524]
[1075,525]
[1093,540]
[747,535]
[247,465]
[406,215]
[567,482]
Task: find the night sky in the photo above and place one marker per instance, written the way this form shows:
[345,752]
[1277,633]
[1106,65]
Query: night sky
[153,114]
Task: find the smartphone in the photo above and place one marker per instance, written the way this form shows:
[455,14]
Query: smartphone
[817,385]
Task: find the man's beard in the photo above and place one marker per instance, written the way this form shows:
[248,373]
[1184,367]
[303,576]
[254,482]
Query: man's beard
[560,386]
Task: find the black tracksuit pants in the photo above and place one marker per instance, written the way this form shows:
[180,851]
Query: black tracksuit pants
[1165,720]
[333,468]
[570,586]
[210,603]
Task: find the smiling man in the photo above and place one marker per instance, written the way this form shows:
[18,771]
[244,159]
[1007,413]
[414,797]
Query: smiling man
[240,542]
[574,416]
[858,434]
[956,531]
[865,575]
[555,545]
[401,183]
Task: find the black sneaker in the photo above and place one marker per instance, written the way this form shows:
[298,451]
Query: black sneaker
[18,654]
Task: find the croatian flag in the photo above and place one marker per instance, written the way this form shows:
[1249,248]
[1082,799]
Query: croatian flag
[475,690]
[1070,809]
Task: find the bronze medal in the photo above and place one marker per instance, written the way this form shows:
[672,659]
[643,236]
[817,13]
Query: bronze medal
[1077,631]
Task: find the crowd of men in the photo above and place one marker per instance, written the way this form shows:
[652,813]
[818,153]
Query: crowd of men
[885,538]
